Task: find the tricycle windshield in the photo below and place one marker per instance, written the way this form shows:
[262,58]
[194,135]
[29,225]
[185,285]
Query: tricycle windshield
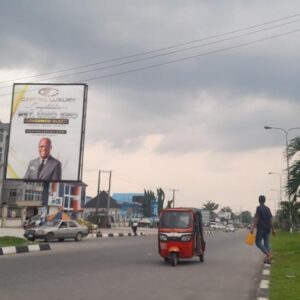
[176,219]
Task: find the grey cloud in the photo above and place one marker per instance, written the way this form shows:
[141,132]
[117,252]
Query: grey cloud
[202,123]
[171,100]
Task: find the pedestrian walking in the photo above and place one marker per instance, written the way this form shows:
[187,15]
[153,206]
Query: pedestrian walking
[134,227]
[263,223]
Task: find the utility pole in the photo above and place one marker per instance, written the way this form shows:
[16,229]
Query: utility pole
[174,190]
[108,200]
[98,192]
[108,196]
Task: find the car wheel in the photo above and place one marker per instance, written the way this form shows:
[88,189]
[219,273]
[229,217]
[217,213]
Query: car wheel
[78,237]
[49,237]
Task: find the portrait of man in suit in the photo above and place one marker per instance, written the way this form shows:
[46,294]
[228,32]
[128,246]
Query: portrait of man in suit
[45,167]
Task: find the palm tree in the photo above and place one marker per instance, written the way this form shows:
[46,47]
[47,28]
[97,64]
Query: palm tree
[211,206]
[149,198]
[226,209]
[293,183]
[160,199]
[294,178]
[284,212]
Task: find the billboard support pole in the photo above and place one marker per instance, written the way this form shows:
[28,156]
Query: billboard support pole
[46,196]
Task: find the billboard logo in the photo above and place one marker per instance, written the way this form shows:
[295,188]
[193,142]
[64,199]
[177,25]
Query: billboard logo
[48,92]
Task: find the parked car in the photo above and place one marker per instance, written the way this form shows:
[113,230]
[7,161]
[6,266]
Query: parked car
[57,230]
[230,228]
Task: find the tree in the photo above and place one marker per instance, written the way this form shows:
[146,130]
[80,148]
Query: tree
[246,217]
[211,206]
[226,213]
[284,213]
[169,204]
[294,178]
[160,199]
[149,198]
[293,184]
[226,209]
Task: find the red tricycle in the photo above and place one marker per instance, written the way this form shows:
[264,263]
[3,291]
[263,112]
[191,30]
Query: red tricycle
[180,234]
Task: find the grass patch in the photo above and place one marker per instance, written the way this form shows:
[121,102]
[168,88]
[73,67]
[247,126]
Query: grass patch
[6,241]
[285,271]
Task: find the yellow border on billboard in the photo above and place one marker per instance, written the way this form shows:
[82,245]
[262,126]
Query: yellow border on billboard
[17,99]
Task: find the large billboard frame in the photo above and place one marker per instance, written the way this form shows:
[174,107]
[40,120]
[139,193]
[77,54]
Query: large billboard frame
[34,124]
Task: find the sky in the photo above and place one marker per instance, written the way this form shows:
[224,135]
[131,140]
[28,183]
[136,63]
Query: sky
[179,92]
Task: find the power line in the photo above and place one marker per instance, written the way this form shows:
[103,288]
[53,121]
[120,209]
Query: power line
[155,51]
[184,58]
[190,57]
[167,53]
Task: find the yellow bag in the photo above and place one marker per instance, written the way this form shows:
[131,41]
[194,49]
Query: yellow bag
[250,239]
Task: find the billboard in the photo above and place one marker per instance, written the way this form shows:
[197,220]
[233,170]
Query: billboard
[47,128]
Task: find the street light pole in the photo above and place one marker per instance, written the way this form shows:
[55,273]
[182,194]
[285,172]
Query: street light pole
[286,132]
[278,197]
[280,184]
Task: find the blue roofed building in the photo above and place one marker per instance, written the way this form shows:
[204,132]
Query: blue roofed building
[131,206]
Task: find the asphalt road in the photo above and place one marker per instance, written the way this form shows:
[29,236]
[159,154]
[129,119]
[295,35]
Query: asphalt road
[129,268]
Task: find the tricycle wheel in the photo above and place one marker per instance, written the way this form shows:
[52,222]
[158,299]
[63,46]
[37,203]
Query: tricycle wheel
[166,259]
[174,259]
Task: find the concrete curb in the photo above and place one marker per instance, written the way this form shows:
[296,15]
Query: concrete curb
[46,246]
[264,285]
[122,234]
[24,249]
[116,234]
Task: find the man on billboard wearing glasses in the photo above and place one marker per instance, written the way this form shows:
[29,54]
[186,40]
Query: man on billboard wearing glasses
[45,167]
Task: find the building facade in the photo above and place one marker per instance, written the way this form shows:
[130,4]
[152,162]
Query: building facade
[131,206]
[101,204]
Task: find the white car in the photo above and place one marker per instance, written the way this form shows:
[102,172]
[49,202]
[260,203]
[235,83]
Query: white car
[230,228]
[57,230]
[216,225]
